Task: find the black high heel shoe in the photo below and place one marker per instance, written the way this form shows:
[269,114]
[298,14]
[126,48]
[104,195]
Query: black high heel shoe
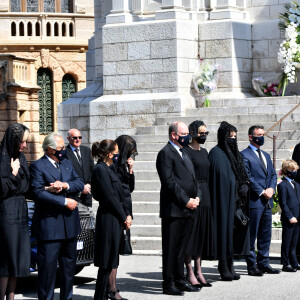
[111,295]
[207,284]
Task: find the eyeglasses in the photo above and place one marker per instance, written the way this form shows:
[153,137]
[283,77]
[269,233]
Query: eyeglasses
[76,137]
[204,133]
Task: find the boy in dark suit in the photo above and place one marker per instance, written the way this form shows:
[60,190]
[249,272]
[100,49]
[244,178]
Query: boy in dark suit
[289,200]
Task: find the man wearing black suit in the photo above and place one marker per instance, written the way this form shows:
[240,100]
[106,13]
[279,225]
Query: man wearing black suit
[263,180]
[56,224]
[179,196]
[83,163]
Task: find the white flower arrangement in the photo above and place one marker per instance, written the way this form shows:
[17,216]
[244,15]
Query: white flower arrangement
[289,50]
[204,78]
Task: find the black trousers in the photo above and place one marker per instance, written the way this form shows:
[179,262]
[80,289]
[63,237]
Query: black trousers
[48,253]
[175,235]
[290,234]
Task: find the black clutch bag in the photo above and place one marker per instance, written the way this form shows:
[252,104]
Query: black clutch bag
[241,218]
[125,246]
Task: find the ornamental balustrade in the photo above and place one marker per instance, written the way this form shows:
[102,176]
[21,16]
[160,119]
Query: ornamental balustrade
[42,26]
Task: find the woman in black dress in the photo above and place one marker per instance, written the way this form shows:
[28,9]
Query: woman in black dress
[111,216]
[14,230]
[229,200]
[200,245]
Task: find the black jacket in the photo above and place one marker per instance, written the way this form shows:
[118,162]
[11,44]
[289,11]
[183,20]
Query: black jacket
[178,182]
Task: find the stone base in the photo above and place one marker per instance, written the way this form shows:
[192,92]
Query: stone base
[109,116]
[227,14]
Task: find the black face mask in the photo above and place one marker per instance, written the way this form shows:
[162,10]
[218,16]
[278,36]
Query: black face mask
[115,158]
[184,140]
[231,141]
[259,140]
[62,154]
[201,139]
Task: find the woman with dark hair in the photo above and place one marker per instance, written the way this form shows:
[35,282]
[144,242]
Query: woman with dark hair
[229,200]
[14,231]
[111,217]
[124,168]
[201,243]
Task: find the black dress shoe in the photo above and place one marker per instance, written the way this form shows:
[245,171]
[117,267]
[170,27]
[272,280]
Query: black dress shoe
[207,284]
[254,272]
[268,269]
[171,289]
[184,285]
[296,267]
[288,268]
[111,295]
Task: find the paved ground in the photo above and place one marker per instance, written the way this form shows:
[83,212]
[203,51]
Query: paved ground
[139,277]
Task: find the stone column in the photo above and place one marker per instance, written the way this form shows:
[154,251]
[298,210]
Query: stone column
[120,12]
[228,9]
[172,9]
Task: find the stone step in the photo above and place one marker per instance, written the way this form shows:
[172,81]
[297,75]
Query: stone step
[147,196]
[145,165]
[147,185]
[143,206]
[212,137]
[233,119]
[146,175]
[151,147]
[280,154]
[145,230]
[276,233]
[145,243]
[254,101]
[242,110]
[154,243]
[147,219]
[242,143]
[213,127]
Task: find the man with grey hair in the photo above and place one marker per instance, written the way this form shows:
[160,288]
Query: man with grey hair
[56,224]
[83,163]
[179,197]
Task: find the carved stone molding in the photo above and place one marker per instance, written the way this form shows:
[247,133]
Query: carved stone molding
[45,54]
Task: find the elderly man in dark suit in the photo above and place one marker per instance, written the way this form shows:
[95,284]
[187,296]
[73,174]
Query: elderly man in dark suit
[83,163]
[179,196]
[263,180]
[56,223]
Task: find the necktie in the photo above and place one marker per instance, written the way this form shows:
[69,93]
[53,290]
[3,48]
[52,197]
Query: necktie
[261,159]
[57,166]
[293,183]
[182,154]
[78,155]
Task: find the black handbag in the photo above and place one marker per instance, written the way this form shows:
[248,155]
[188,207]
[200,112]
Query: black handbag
[125,246]
[241,217]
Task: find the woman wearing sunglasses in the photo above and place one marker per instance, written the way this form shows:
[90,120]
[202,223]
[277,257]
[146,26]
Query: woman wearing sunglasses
[111,218]
[201,244]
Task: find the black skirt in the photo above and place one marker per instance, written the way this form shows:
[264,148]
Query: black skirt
[107,241]
[14,235]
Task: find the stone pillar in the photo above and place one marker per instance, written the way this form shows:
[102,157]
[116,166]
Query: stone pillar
[228,44]
[228,9]
[120,12]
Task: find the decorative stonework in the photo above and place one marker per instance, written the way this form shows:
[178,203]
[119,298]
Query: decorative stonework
[45,57]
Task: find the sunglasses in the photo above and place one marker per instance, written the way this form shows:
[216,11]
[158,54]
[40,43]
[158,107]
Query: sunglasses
[204,133]
[76,137]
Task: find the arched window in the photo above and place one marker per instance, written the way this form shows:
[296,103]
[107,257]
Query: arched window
[68,86]
[13,29]
[44,80]
[21,28]
[29,29]
[71,29]
[63,29]
[48,29]
[37,29]
[56,29]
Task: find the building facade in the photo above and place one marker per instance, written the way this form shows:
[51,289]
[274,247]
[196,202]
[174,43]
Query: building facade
[53,35]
